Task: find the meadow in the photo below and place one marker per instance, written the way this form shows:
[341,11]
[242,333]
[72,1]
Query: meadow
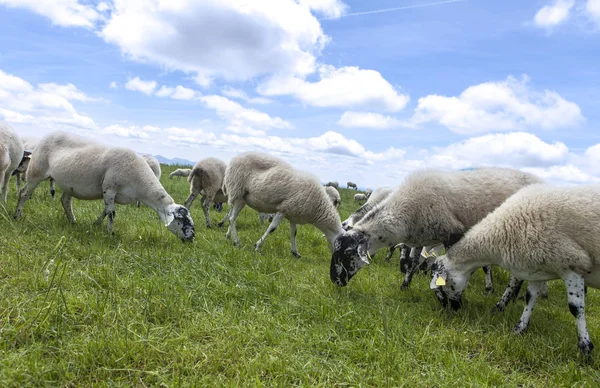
[80,307]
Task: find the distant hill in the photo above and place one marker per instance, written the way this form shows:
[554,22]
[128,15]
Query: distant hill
[178,161]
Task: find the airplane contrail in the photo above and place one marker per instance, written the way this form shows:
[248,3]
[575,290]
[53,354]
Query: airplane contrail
[397,8]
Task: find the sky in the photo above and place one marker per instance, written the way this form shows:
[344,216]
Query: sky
[353,90]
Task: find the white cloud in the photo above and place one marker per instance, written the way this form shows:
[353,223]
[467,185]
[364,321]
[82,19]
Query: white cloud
[241,95]
[69,91]
[593,9]
[113,85]
[189,137]
[341,88]
[563,174]
[367,120]
[243,120]
[164,91]
[138,85]
[553,15]
[328,8]
[232,39]
[183,93]
[498,106]
[516,149]
[135,132]
[46,105]
[65,13]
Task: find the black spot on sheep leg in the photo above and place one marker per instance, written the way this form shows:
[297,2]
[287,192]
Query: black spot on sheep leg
[404,258]
[489,286]
[512,290]
[414,262]
[390,254]
[272,226]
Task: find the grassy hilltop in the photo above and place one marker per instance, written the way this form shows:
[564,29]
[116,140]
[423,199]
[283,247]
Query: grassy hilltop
[79,307]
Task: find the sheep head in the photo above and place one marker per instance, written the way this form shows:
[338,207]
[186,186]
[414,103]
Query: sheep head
[350,254]
[180,223]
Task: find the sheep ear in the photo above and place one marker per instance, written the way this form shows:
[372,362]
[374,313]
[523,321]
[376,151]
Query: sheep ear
[363,253]
[26,153]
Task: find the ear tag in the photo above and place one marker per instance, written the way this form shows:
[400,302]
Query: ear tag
[369,256]
[426,254]
[440,281]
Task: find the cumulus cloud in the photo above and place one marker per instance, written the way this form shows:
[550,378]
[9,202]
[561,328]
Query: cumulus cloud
[345,87]
[133,132]
[241,95]
[516,149]
[232,39]
[554,14]
[183,93]
[69,91]
[138,85]
[498,106]
[46,105]
[113,85]
[328,8]
[243,120]
[64,13]
[593,9]
[367,120]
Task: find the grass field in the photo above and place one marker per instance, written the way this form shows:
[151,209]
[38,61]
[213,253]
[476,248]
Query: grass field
[79,307]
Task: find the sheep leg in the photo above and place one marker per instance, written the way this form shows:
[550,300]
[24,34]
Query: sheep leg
[4,185]
[272,226]
[18,177]
[109,210]
[222,222]
[533,290]
[67,203]
[404,257]
[576,297]
[391,253]
[234,211]
[206,208]
[413,264]
[52,190]
[189,200]
[544,290]
[24,195]
[293,239]
[489,286]
[511,292]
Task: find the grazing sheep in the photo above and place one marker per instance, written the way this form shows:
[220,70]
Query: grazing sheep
[206,178]
[431,207]
[87,170]
[334,195]
[360,197]
[352,185]
[180,172]
[20,173]
[154,166]
[541,233]
[333,184]
[11,155]
[271,185]
[368,192]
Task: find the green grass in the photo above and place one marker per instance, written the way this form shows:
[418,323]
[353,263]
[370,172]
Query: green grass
[79,307]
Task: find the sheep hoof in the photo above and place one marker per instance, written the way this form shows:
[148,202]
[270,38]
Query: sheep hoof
[405,286]
[296,254]
[220,224]
[209,226]
[520,328]
[498,308]
[488,290]
[586,347]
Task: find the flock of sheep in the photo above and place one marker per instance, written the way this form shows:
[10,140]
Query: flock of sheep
[480,217]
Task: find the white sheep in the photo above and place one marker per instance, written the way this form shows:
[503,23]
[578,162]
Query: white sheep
[88,170]
[378,196]
[154,166]
[352,185]
[334,195]
[271,185]
[180,172]
[333,184]
[431,207]
[541,233]
[206,178]
[11,154]
[360,197]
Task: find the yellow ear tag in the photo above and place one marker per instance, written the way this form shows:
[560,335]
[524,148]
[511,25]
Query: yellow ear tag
[369,256]
[440,281]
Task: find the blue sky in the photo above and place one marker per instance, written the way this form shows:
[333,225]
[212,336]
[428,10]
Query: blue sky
[335,87]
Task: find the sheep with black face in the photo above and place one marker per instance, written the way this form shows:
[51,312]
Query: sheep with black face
[539,234]
[88,170]
[430,208]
